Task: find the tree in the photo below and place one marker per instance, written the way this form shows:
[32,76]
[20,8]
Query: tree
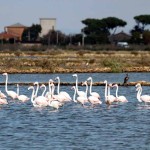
[98,30]
[31,34]
[54,38]
[95,31]
[112,23]
[142,21]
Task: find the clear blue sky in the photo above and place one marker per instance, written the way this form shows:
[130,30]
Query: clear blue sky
[69,13]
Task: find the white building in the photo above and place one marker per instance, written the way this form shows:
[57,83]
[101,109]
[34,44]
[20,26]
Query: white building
[47,24]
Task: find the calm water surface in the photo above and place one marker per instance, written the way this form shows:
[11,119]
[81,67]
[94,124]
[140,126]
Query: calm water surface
[119,127]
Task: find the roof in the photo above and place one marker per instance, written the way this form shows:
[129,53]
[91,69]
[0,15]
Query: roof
[17,25]
[5,35]
[121,36]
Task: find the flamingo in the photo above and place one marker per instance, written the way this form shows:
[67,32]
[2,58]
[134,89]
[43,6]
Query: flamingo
[12,94]
[39,101]
[68,98]
[54,102]
[2,95]
[80,93]
[43,86]
[108,98]
[3,101]
[49,93]
[141,98]
[37,88]
[119,98]
[92,99]
[93,93]
[79,99]
[61,98]
[22,98]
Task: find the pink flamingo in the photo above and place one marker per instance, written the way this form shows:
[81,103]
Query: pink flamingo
[12,94]
[119,98]
[93,93]
[141,98]
[22,98]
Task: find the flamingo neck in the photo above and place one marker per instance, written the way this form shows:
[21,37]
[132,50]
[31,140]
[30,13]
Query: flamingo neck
[44,91]
[106,90]
[117,91]
[77,83]
[18,90]
[91,86]
[139,94]
[74,96]
[86,90]
[32,96]
[58,86]
[37,88]
[6,83]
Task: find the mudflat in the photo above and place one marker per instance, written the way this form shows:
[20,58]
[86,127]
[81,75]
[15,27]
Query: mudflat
[70,61]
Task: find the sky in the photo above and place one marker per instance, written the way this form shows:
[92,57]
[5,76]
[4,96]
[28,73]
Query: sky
[70,13]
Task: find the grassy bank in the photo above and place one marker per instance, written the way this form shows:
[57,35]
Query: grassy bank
[68,61]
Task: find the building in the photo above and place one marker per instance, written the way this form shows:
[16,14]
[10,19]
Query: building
[13,32]
[119,37]
[15,29]
[47,24]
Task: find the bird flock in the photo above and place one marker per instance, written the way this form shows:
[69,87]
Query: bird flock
[49,98]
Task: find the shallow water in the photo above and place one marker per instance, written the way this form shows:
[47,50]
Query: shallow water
[120,126]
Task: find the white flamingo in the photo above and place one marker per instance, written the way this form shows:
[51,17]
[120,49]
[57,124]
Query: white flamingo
[108,98]
[54,102]
[80,93]
[68,98]
[93,93]
[12,94]
[37,88]
[43,86]
[39,101]
[79,99]
[22,98]
[61,98]
[92,99]
[3,101]
[2,95]
[119,98]
[141,98]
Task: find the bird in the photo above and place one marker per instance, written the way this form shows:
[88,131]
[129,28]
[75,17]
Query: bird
[80,93]
[37,88]
[78,99]
[22,98]
[43,86]
[3,101]
[94,100]
[12,94]
[2,95]
[68,98]
[93,93]
[119,98]
[126,79]
[108,98]
[39,101]
[141,98]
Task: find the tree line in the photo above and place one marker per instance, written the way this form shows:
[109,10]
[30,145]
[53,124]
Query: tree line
[95,31]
